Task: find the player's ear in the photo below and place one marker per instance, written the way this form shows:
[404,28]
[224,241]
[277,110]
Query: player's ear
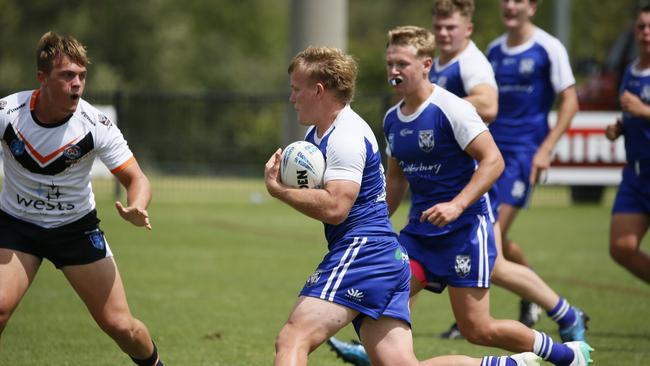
[320,89]
[41,77]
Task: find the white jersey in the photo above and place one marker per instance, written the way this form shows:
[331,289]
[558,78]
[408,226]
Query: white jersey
[47,167]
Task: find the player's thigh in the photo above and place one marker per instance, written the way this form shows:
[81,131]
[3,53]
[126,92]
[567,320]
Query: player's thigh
[388,341]
[507,215]
[100,287]
[17,271]
[627,230]
[315,320]
[471,305]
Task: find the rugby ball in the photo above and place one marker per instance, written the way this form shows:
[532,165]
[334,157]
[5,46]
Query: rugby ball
[302,165]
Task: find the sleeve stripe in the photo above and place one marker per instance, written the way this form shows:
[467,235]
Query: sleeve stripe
[124,165]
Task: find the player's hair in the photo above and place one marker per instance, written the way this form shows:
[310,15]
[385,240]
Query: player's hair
[446,8]
[644,7]
[52,46]
[330,66]
[409,35]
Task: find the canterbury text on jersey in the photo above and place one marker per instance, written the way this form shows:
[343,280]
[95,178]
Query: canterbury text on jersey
[352,153]
[47,167]
[529,76]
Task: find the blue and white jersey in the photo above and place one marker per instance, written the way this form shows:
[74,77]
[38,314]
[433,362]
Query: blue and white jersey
[465,71]
[529,76]
[636,130]
[352,153]
[429,147]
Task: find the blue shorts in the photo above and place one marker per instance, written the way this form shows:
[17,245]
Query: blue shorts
[80,242]
[513,185]
[633,194]
[367,274]
[463,257]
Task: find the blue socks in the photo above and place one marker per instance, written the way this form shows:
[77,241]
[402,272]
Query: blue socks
[498,361]
[563,314]
[556,353]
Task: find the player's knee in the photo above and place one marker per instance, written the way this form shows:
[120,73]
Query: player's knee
[289,338]
[476,333]
[621,249]
[120,327]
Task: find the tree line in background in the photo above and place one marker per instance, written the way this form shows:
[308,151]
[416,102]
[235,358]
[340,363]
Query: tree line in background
[242,46]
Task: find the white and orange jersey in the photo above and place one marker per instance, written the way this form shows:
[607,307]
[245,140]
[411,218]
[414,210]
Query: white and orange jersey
[47,167]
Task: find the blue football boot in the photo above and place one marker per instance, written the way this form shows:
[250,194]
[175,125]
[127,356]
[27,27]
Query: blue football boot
[576,331]
[352,352]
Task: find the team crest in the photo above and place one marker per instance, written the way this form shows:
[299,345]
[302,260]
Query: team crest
[526,66]
[425,140]
[463,265]
[17,147]
[72,152]
[3,104]
[97,239]
[313,278]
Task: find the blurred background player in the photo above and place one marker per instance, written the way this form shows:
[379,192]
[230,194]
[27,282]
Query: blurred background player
[530,68]
[462,69]
[47,210]
[364,277]
[631,210]
[440,148]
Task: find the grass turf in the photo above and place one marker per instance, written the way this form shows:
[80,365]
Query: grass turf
[216,278]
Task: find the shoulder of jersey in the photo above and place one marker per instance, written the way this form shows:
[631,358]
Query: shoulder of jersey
[14,103]
[89,114]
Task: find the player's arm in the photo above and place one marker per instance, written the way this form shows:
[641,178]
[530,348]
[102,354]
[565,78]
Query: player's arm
[566,111]
[138,195]
[330,205]
[485,99]
[396,185]
[632,104]
[490,166]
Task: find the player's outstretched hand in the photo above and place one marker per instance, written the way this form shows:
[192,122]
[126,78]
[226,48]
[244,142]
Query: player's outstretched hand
[134,215]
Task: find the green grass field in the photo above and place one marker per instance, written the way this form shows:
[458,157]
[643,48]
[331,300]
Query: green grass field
[216,278]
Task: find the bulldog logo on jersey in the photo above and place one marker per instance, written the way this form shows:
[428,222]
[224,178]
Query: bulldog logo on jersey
[425,140]
[463,265]
[3,104]
[526,66]
[17,147]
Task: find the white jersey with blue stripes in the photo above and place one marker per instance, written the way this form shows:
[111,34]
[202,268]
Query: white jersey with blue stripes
[529,76]
[352,153]
[464,72]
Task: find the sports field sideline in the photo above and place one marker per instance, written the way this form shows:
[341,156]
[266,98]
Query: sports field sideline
[217,276]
